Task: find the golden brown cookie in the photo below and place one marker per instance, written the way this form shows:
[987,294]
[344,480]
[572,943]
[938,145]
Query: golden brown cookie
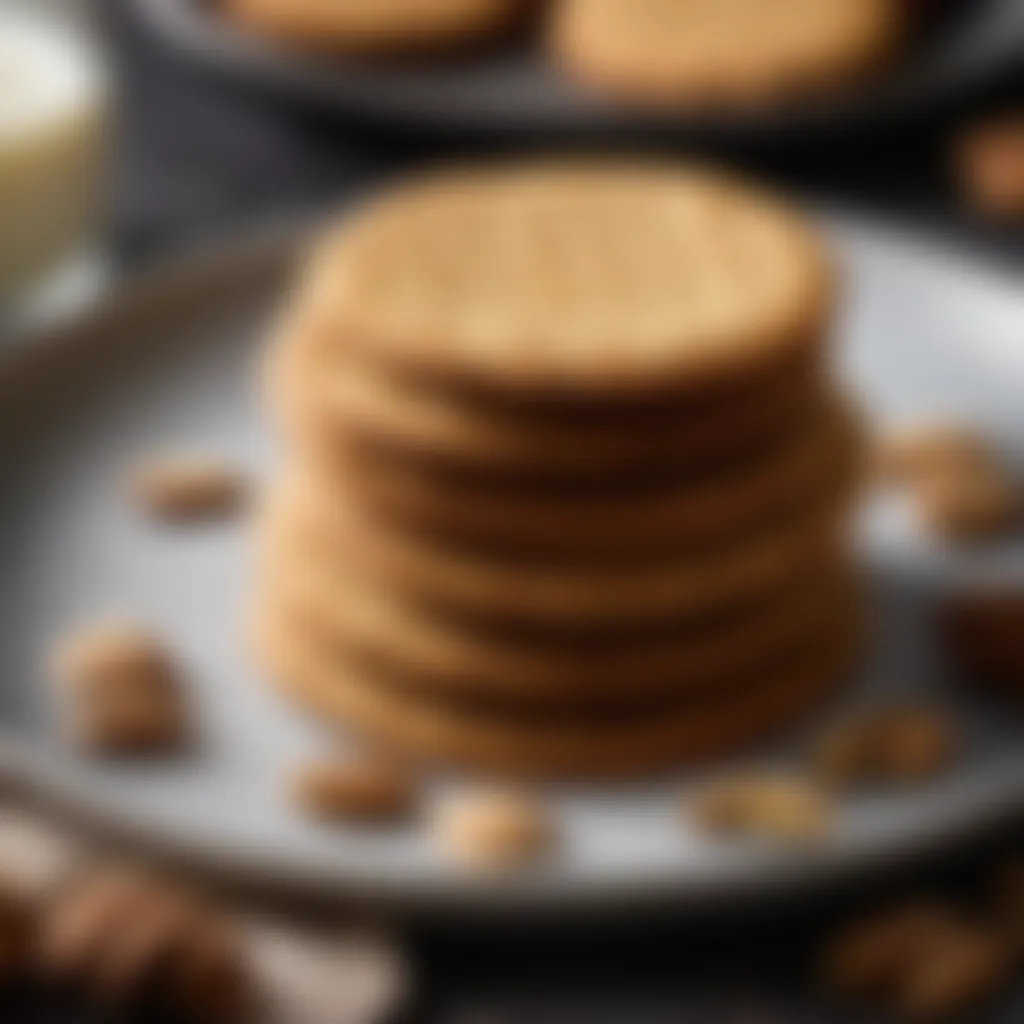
[546,596]
[573,279]
[375,26]
[335,407]
[707,53]
[656,517]
[367,625]
[307,670]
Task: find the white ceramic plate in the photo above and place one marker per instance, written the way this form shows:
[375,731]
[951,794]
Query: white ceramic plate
[170,365]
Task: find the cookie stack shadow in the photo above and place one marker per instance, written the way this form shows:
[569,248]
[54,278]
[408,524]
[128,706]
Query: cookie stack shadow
[565,484]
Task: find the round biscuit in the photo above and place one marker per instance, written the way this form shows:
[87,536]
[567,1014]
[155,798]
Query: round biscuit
[661,518]
[369,626]
[453,734]
[708,53]
[335,407]
[547,597]
[572,278]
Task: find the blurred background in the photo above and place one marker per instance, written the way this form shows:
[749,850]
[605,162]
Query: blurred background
[186,141]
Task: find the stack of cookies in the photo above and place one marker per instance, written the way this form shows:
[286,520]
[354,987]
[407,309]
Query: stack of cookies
[565,485]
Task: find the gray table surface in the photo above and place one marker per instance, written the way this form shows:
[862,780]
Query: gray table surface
[199,155]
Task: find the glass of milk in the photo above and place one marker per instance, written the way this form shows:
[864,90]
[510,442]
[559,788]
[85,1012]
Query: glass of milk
[53,118]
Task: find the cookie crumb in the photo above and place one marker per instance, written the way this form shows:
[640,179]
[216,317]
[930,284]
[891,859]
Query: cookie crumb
[360,789]
[959,971]
[774,807]
[124,935]
[971,505]
[990,163]
[495,829]
[119,691]
[892,745]
[871,956]
[188,488]
[956,481]
[922,451]
[915,744]
[111,654]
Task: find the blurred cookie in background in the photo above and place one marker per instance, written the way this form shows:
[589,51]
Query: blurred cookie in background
[722,52]
[376,26]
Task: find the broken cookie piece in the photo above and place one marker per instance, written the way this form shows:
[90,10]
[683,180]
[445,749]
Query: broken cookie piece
[496,829]
[124,936]
[974,505]
[119,691]
[924,450]
[355,789]
[770,806]
[898,744]
[185,489]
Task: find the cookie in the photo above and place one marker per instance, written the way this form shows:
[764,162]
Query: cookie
[990,164]
[369,626]
[374,26]
[335,405]
[545,596]
[621,745]
[572,279]
[657,518]
[708,53]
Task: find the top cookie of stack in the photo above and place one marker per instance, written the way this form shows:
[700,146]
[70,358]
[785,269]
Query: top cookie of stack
[560,438]
[578,280]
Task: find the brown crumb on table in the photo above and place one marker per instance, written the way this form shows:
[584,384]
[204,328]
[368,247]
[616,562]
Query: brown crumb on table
[123,936]
[990,163]
[188,488]
[964,968]
[119,691]
[495,829]
[361,789]
[773,807]
[872,956]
